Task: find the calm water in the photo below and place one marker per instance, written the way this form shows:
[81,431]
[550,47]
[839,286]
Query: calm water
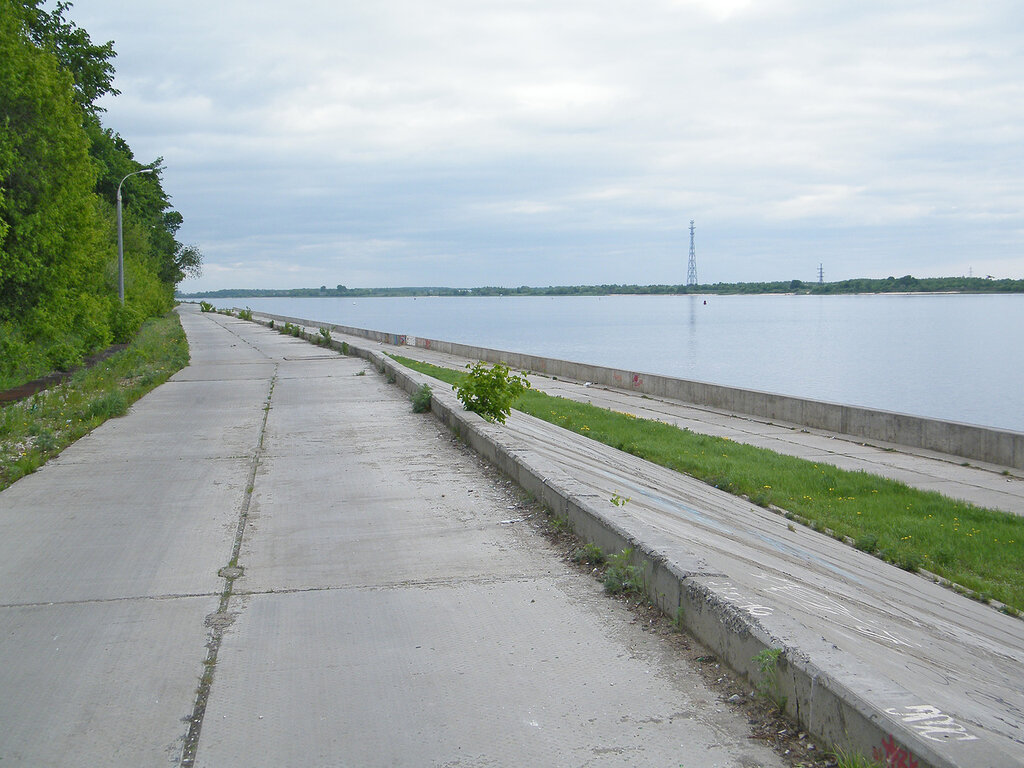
[955,357]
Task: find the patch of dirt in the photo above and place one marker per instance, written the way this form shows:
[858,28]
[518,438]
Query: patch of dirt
[29,388]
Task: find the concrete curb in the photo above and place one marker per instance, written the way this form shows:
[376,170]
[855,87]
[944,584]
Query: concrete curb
[824,706]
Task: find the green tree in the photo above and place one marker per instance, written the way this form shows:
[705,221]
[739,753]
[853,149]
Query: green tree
[51,228]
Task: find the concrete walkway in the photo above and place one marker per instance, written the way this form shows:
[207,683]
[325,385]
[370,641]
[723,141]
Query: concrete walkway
[270,561]
[885,661]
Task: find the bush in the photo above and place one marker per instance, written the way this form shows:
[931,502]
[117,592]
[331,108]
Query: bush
[621,576]
[125,321]
[490,391]
[421,400]
[205,306]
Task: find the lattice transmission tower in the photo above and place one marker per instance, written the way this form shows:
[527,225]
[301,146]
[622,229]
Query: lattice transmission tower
[691,269]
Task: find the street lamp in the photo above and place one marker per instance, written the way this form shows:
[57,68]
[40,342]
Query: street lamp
[120,237]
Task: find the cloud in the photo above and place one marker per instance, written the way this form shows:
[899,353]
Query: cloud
[568,141]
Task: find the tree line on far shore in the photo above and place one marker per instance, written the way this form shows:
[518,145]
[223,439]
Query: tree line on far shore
[905,284]
[60,168]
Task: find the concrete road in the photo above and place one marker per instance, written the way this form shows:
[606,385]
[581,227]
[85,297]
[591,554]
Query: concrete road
[270,561]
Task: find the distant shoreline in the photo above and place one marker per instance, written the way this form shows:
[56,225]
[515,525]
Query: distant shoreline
[891,285]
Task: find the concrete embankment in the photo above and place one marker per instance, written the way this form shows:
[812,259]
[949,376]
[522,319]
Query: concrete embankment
[862,654]
[969,441]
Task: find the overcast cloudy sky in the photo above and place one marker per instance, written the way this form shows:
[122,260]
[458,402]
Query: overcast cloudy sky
[539,142]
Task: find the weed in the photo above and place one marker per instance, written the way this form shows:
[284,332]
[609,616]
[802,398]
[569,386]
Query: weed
[846,759]
[421,399]
[768,683]
[559,524]
[245,314]
[361,373]
[679,622]
[761,499]
[344,347]
[621,577]
[271,325]
[46,441]
[490,392]
[107,406]
[867,542]
[205,306]
[619,501]
[325,337]
[588,553]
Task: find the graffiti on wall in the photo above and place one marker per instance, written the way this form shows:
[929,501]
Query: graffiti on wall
[931,723]
[828,606]
[729,592]
[892,755]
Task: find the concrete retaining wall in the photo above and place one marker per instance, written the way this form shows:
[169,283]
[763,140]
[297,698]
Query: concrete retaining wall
[1002,447]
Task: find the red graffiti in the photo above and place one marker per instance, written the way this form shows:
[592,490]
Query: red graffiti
[636,380]
[892,755]
[426,343]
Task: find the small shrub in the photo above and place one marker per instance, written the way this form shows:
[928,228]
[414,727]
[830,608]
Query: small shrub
[245,314]
[421,400]
[559,524]
[110,405]
[344,347]
[768,683]
[325,337]
[490,392]
[867,542]
[622,577]
[46,441]
[205,306]
[589,553]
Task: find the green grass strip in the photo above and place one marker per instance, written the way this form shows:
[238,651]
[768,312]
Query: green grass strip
[977,548]
[39,427]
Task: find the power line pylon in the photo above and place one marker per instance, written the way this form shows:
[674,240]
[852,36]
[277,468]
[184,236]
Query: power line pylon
[691,269]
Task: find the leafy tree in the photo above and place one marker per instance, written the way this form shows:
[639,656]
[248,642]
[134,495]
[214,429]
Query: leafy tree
[59,173]
[89,64]
[50,228]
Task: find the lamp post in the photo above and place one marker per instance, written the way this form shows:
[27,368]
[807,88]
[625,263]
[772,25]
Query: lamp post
[120,237]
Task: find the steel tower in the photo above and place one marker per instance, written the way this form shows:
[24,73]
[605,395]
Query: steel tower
[691,269]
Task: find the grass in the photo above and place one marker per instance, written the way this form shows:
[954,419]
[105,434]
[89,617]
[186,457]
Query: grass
[40,427]
[980,549]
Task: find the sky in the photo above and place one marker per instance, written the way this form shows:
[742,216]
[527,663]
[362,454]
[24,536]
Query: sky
[467,143]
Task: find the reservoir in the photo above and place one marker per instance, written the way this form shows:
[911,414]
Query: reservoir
[956,357]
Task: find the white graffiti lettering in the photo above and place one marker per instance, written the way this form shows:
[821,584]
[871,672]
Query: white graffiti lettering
[932,723]
[733,595]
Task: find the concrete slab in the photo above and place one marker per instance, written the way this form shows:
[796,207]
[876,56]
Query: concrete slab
[527,672]
[99,683]
[81,531]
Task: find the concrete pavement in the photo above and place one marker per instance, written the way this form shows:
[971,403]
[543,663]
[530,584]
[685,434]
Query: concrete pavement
[270,561]
[883,661]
